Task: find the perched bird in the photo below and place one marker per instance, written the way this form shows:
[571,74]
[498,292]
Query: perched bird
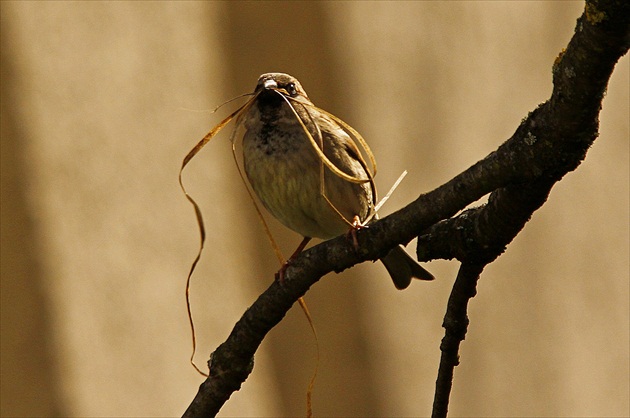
[290,178]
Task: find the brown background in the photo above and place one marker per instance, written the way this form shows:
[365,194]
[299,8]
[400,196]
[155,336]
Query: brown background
[101,101]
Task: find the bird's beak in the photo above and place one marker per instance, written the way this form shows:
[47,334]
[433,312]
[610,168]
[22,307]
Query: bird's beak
[270,84]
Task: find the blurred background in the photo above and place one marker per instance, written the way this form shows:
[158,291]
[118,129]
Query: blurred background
[102,100]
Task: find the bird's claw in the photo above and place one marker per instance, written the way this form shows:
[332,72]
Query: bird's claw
[356,225]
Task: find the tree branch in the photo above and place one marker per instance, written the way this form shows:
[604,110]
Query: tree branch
[549,143]
[568,125]
[456,325]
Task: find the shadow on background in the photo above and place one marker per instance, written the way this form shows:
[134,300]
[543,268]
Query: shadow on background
[29,375]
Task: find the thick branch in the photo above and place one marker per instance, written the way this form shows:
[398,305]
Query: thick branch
[481,234]
[550,142]
[567,125]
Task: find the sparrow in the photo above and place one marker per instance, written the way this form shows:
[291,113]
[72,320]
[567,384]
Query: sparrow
[282,129]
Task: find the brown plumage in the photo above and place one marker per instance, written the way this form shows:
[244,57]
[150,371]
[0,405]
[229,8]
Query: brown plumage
[285,171]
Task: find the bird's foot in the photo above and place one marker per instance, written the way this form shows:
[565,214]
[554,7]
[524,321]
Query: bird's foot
[356,225]
[280,273]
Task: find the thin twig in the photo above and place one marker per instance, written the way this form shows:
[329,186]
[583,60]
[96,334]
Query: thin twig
[456,325]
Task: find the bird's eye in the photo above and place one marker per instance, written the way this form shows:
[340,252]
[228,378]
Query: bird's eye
[291,89]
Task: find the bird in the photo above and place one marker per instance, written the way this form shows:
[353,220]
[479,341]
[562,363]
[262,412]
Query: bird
[282,129]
